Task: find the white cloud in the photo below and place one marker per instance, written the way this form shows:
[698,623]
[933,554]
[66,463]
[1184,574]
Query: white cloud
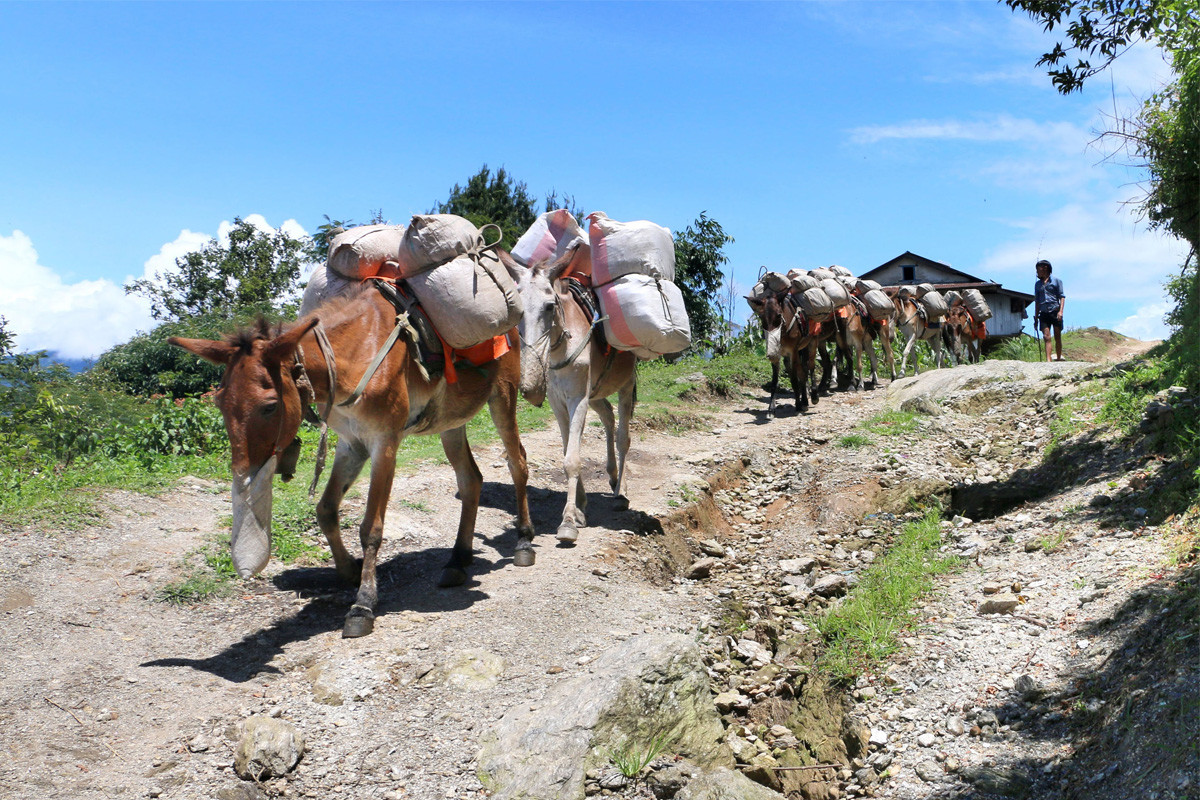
[999,128]
[1100,252]
[1146,323]
[78,320]
[83,319]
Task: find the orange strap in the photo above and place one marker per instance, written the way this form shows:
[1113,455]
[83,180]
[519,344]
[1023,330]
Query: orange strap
[814,328]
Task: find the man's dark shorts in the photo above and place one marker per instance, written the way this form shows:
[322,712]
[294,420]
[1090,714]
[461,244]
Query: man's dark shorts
[1051,321]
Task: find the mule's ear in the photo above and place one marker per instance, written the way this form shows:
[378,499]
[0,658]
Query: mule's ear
[286,343]
[515,270]
[754,302]
[209,350]
[562,265]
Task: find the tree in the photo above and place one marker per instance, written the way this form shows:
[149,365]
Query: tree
[255,269]
[317,248]
[1105,29]
[699,256]
[497,199]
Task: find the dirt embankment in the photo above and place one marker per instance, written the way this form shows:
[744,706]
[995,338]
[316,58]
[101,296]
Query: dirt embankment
[110,693]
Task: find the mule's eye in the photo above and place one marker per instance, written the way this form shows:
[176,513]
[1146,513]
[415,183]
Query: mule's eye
[269,409]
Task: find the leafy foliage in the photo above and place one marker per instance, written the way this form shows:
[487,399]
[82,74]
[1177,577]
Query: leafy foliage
[147,365]
[255,268]
[1105,29]
[699,257]
[493,198]
[497,198]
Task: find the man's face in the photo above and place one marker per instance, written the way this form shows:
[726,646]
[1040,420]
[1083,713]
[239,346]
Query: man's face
[1043,273]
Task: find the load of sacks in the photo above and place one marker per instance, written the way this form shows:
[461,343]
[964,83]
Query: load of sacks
[823,292]
[455,274]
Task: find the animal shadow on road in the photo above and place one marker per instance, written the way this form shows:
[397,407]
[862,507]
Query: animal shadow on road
[545,506]
[407,582]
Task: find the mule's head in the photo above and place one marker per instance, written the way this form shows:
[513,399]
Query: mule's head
[262,407]
[770,313]
[541,324]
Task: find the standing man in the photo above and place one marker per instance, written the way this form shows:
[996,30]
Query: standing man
[1049,302]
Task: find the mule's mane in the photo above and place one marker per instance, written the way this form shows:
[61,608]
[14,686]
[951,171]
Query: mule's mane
[261,330]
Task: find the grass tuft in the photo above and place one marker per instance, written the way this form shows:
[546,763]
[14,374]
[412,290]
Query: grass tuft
[863,630]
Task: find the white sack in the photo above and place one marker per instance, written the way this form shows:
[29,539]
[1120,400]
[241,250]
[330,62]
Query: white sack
[629,248]
[934,305]
[434,239]
[324,284]
[864,285]
[776,282]
[836,291]
[924,289]
[979,308]
[645,315]
[878,304]
[816,305]
[951,297]
[548,238]
[469,301]
[802,283]
[360,252]
[840,271]
[795,272]
[821,273]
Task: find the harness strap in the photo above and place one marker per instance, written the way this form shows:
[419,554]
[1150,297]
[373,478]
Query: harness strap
[403,306]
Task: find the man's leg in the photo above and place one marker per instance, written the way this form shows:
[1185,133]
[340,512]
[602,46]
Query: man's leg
[1058,340]
[1046,339]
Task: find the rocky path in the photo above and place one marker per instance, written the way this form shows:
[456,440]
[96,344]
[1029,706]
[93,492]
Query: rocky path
[110,693]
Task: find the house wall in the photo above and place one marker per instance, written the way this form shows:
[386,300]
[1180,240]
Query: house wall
[894,275]
[1003,322]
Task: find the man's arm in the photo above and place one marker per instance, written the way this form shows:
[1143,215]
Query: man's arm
[1062,300]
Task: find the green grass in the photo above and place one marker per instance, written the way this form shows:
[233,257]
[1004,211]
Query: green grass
[891,423]
[862,631]
[855,440]
[630,758]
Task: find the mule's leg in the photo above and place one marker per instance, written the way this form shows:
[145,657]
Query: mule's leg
[826,371]
[503,408]
[572,417]
[798,377]
[348,461]
[908,348]
[470,483]
[361,619]
[887,332]
[604,411]
[874,359]
[772,342]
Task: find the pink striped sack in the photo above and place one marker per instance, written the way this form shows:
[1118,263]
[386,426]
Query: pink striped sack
[629,248]
[548,238]
[644,315]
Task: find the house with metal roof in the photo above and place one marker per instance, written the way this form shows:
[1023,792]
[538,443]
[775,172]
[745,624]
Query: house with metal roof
[908,269]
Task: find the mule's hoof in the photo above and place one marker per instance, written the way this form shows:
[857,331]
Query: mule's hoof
[452,576]
[358,625]
[524,557]
[566,533]
[620,502]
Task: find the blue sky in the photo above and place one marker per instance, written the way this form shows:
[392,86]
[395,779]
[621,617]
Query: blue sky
[815,133]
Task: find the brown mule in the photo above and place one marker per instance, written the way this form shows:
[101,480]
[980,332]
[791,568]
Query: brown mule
[861,332]
[262,395]
[786,331]
[961,336]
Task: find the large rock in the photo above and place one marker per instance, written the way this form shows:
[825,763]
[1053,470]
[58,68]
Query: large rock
[268,748]
[648,687]
[723,784]
[973,388]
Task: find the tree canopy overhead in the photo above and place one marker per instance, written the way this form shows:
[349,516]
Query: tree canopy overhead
[255,268]
[1101,30]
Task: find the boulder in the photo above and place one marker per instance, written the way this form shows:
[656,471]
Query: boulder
[268,748]
[651,686]
[724,784]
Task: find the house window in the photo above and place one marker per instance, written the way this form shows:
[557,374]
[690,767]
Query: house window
[1016,307]
[909,272]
